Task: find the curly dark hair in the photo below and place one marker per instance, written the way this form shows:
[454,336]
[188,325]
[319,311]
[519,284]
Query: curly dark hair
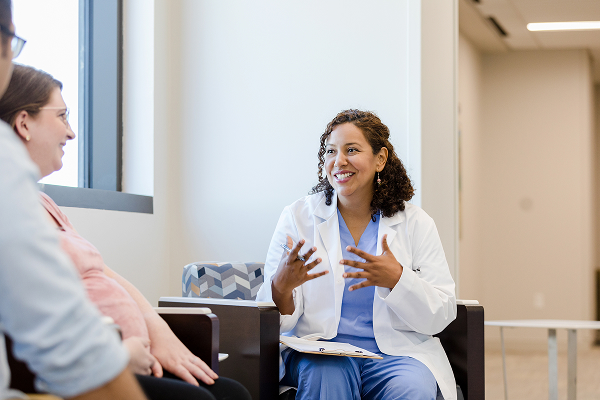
[395,188]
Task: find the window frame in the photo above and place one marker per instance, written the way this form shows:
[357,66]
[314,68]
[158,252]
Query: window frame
[66,196]
[101,105]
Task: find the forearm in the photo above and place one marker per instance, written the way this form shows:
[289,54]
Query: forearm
[284,301]
[422,306]
[170,353]
[157,327]
[424,297]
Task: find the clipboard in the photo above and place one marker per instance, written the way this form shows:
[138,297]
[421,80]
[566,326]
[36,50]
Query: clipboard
[326,348]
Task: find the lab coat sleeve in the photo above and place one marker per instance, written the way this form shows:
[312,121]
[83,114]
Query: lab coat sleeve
[286,226]
[423,300]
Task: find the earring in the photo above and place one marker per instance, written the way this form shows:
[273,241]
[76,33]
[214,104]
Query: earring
[378,180]
[27,138]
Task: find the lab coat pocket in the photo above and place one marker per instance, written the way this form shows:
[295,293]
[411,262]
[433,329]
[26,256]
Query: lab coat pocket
[397,323]
[429,345]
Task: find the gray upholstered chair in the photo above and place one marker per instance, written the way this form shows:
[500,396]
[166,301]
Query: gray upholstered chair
[249,331]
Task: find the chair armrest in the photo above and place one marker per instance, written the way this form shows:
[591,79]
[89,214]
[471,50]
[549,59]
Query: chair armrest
[463,342]
[21,377]
[249,333]
[198,330]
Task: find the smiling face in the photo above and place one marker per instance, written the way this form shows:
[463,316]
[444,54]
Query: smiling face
[48,132]
[351,165]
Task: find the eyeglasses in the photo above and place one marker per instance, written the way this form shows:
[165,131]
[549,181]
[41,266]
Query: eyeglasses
[16,43]
[64,117]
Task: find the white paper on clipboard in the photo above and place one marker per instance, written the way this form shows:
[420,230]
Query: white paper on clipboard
[326,348]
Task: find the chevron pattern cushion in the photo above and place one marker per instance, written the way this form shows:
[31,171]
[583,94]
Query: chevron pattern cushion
[222,280]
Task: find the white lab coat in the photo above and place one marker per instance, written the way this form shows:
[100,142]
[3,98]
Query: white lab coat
[421,304]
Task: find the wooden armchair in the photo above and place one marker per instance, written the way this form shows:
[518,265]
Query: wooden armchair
[249,333]
[463,343]
[197,328]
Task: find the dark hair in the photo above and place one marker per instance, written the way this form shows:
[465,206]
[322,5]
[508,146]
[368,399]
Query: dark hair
[6,20]
[395,188]
[5,12]
[29,90]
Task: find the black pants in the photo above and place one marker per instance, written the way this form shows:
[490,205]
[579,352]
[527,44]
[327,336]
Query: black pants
[169,388]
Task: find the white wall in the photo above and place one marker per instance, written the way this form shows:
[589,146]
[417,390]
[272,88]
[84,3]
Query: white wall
[439,139]
[528,227]
[469,116]
[241,93]
[597,171]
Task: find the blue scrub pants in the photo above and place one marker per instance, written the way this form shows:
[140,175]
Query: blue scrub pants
[351,378]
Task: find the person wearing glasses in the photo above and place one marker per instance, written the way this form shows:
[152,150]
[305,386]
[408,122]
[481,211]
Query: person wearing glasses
[33,106]
[16,42]
[55,329]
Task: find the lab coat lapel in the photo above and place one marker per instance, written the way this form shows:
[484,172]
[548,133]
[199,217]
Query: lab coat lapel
[387,226]
[330,235]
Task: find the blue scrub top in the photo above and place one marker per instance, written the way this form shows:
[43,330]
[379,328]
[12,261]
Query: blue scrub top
[356,321]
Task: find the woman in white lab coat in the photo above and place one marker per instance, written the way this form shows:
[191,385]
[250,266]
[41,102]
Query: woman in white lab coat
[375,274]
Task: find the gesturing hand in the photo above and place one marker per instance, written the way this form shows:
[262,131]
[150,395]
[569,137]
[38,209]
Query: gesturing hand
[293,272]
[383,270]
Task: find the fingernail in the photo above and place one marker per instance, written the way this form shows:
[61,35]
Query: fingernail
[344,275]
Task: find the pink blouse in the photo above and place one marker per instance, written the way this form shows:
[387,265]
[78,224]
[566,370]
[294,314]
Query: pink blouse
[111,298]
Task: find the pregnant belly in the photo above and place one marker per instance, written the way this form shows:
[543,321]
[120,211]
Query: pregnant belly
[113,301]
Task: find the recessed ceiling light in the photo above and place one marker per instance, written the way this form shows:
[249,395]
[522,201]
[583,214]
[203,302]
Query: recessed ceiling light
[564,26]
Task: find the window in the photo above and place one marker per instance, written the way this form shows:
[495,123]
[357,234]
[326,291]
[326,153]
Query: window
[79,42]
[52,45]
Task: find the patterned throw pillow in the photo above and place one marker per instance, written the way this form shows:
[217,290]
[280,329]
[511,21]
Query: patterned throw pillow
[222,280]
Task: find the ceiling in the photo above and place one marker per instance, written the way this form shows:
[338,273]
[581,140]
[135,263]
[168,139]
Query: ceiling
[513,16]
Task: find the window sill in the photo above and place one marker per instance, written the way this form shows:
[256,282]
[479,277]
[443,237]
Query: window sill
[66,196]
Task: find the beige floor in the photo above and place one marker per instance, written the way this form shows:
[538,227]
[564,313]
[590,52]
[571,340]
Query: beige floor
[528,375]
